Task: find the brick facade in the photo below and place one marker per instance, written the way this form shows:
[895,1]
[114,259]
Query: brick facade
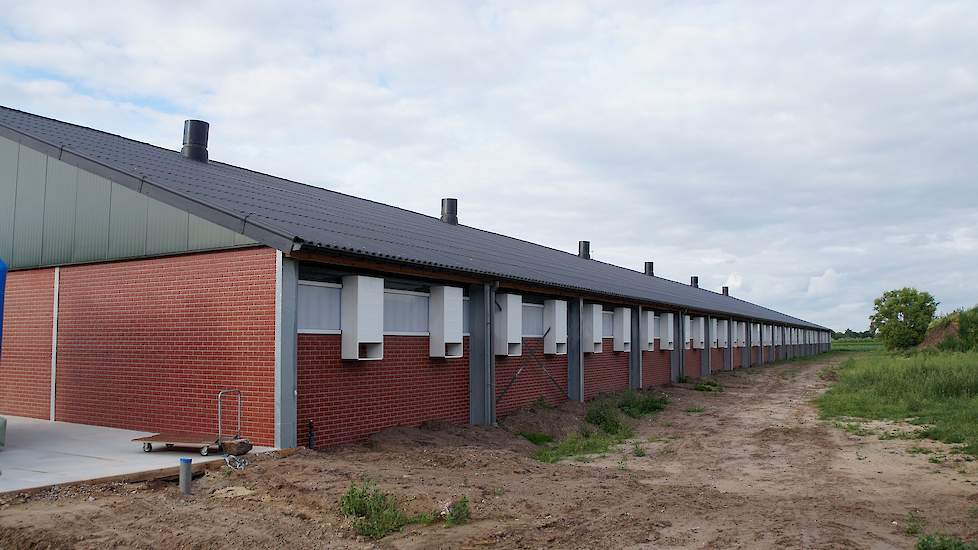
[716,359]
[692,366]
[532,382]
[25,361]
[605,372]
[348,401]
[656,367]
[147,344]
[738,358]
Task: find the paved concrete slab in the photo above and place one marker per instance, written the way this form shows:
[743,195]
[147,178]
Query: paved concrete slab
[41,452]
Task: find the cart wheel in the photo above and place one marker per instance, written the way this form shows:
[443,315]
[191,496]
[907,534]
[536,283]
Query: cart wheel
[204,450]
[147,447]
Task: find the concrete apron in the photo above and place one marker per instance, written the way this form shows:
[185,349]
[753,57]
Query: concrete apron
[41,453]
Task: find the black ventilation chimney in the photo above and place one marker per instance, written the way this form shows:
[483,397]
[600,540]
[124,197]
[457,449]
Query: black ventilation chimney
[726,291]
[648,268]
[694,281]
[584,249]
[195,140]
[449,211]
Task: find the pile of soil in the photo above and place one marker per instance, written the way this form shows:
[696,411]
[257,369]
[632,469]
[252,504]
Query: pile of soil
[557,422]
[938,334]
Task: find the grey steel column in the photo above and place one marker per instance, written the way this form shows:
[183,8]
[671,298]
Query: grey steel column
[575,355]
[707,352]
[748,334]
[728,353]
[286,355]
[678,354]
[635,354]
[482,398]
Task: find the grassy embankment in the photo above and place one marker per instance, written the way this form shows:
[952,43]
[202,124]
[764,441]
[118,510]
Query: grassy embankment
[938,390]
[856,344]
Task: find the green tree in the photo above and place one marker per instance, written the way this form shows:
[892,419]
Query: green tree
[901,317]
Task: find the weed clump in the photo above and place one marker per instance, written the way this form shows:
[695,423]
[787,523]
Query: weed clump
[604,414]
[375,513]
[944,542]
[708,386]
[535,437]
[458,512]
[637,405]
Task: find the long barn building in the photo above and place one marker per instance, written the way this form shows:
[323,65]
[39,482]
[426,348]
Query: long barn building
[144,280]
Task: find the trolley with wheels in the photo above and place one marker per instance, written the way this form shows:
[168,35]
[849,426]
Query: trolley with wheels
[203,442]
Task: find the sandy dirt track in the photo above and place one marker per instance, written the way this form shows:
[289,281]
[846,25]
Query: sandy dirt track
[755,469]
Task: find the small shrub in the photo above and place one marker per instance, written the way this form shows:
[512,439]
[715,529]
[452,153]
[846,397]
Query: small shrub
[604,415]
[536,438]
[374,512]
[636,404]
[914,523]
[695,409]
[638,449]
[944,542]
[458,512]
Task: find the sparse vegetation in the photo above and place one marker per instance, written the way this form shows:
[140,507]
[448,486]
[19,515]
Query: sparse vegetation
[577,445]
[693,410]
[914,523]
[936,390]
[458,512]
[708,386]
[944,542]
[638,404]
[638,450]
[536,438]
[374,513]
[857,344]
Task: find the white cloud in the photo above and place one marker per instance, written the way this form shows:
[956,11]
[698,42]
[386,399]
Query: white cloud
[751,144]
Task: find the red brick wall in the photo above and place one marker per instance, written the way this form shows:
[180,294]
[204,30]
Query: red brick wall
[605,372]
[25,361]
[754,354]
[350,400]
[147,344]
[656,367]
[716,359]
[691,366]
[533,382]
[738,358]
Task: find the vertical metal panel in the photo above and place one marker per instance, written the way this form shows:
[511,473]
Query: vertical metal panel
[166,228]
[286,351]
[482,389]
[91,218]
[8,196]
[635,355]
[29,215]
[575,352]
[60,194]
[127,223]
[204,235]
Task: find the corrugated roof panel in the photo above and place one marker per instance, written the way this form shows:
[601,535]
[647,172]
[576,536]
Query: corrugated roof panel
[341,222]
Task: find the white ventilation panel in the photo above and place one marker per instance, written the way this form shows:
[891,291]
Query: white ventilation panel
[555,327]
[508,325]
[699,332]
[445,322]
[623,329]
[722,335]
[647,329]
[667,331]
[362,318]
[714,335]
[687,332]
[592,327]
[740,334]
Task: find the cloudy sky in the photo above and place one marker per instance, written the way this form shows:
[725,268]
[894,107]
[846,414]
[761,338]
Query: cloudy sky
[809,155]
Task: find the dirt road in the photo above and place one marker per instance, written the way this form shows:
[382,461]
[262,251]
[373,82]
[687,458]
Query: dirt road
[754,469]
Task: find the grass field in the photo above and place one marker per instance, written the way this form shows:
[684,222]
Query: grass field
[856,344]
[939,390]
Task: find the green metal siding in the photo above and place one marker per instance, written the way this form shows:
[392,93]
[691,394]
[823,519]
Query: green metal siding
[91,218]
[8,195]
[60,193]
[29,208]
[52,213]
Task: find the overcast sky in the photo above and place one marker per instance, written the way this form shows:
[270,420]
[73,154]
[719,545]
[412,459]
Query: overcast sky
[809,155]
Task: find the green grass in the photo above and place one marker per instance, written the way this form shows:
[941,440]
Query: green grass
[458,512]
[936,390]
[638,450]
[536,438]
[944,542]
[374,512]
[857,344]
[914,523]
[695,409]
[708,386]
[612,428]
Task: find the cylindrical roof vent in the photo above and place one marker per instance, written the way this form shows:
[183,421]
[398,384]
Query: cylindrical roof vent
[694,281]
[195,140]
[449,211]
[584,249]
[726,291]
[648,268]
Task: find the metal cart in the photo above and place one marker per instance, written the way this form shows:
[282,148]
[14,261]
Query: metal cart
[202,441]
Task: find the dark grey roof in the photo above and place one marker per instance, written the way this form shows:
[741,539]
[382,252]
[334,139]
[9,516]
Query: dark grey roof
[280,213]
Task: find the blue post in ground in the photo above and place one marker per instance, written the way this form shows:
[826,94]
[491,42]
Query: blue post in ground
[186,474]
